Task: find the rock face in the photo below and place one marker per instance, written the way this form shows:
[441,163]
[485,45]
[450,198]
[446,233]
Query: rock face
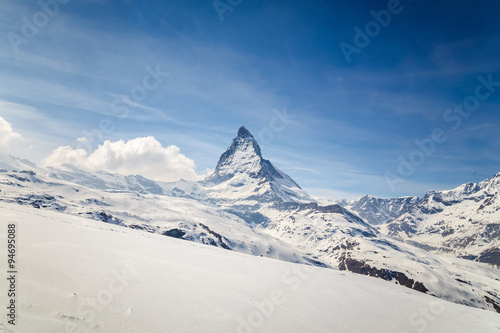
[242,174]
[464,221]
[377,211]
[361,267]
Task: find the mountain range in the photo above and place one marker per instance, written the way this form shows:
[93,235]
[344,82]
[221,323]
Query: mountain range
[463,221]
[432,245]
[377,211]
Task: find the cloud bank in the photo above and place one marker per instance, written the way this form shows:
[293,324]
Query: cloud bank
[141,156]
[7,134]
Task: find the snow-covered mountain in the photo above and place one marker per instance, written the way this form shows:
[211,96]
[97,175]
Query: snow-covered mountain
[102,180]
[165,215]
[249,206]
[79,275]
[340,239]
[464,221]
[244,177]
[377,211]
[10,163]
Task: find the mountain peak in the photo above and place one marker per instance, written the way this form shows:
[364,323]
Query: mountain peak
[244,133]
[242,156]
[242,164]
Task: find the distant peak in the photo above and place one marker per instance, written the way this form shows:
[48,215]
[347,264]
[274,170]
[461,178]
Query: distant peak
[244,133]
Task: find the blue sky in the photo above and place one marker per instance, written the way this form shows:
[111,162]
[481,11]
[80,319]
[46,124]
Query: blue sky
[349,123]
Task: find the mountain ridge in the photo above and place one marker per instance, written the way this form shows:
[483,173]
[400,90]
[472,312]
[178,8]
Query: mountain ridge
[378,211]
[254,212]
[464,221]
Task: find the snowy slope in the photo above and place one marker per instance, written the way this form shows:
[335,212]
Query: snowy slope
[169,216]
[79,275]
[340,239]
[464,222]
[9,163]
[104,180]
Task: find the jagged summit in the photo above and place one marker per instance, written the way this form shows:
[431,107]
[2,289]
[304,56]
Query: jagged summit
[242,156]
[242,166]
[244,133]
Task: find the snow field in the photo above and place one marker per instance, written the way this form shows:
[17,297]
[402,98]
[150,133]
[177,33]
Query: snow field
[79,275]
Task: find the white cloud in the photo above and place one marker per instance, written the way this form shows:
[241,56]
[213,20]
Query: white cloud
[142,156]
[82,139]
[7,134]
[67,155]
